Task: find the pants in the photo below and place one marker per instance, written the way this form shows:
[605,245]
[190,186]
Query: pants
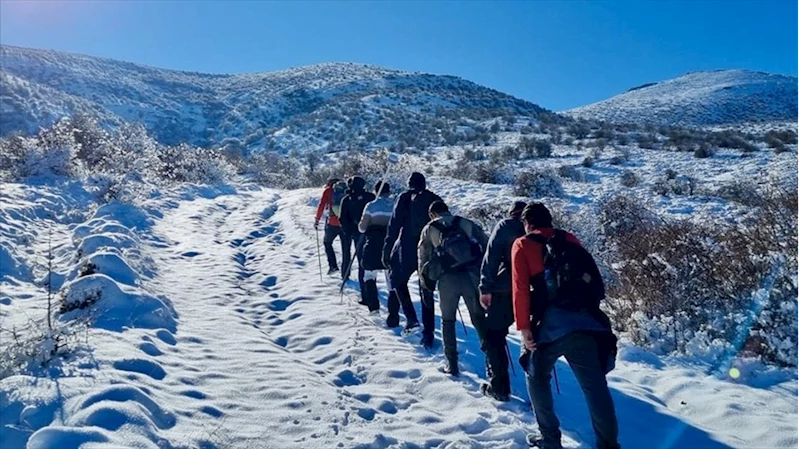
[369,291]
[331,232]
[346,254]
[451,288]
[498,362]
[402,296]
[500,315]
[582,353]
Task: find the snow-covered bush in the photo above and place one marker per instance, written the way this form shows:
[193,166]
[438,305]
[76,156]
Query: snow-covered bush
[628,178]
[487,215]
[680,185]
[739,191]
[535,147]
[537,183]
[680,285]
[571,172]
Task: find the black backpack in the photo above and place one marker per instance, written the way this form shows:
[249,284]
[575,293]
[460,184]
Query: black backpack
[572,281]
[457,250]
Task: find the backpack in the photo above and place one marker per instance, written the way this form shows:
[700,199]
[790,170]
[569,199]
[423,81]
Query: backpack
[457,250]
[339,192]
[572,281]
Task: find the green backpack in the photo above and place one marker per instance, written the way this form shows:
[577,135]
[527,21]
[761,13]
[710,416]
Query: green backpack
[339,192]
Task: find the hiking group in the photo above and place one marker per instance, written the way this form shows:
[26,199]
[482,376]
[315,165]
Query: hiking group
[525,272]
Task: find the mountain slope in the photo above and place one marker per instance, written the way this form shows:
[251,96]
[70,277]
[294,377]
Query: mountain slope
[701,98]
[331,106]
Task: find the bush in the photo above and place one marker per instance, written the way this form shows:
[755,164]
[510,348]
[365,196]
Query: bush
[487,215]
[739,191]
[670,174]
[646,141]
[571,172]
[629,178]
[704,150]
[536,147]
[588,162]
[682,185]
[786,137]
[537,183]
[682,286]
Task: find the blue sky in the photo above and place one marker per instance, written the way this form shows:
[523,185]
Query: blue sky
[559,54]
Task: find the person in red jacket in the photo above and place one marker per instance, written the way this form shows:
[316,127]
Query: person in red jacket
[558,331]
[332,225]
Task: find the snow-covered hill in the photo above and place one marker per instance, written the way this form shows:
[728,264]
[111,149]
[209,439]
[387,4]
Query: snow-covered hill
[724,97]
[331,106]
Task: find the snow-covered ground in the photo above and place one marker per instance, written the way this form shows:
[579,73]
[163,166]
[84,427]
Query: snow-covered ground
[215,331]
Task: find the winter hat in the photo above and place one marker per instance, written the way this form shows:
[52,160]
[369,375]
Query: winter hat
[356,183]
[331,182]
[516,209]
[537,216]
[416,182]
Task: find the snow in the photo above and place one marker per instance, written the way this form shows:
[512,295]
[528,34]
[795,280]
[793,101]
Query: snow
[213,329]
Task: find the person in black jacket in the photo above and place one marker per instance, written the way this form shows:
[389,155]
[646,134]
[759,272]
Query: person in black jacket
[496,299]
[351,210]
[410,215]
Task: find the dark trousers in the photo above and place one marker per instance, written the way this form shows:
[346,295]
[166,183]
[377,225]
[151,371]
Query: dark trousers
[500,316]
[497,357]
[402,296]
[582,353]
[331,232]
[451,288]
[346,254]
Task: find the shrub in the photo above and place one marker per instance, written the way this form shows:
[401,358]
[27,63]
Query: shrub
[536,147]
[588,162]
[571,172]
[670,174]
[704,150]
[739,191]
[787,137]
[682,185]
[629,178]
[487,215]
[537,183]
[646,141]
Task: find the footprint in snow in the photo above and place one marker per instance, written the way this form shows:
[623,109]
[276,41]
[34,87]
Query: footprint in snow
[141,366]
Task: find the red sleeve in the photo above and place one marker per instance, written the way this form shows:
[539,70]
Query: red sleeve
[572,238]
[324,203]
[521,285]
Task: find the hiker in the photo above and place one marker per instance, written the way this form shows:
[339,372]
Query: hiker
[556,293]
[352,207]
[332,195]
[410,215]
[495,297]
[450,251]
[373,226]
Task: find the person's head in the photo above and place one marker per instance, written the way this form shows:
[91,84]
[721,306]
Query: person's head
[356,183]
[437,209]
[516,209]
[416,182]
[331,182]
[536,216]
[385,191]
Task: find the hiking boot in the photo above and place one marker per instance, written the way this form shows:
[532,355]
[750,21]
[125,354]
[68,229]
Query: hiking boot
[536,440]
[332,270]
[410,328]
[451,369]
[488,391]
[392,321]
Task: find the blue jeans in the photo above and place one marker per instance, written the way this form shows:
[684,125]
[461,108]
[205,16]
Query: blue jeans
[582,353]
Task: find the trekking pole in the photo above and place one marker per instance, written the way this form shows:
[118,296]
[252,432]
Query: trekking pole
[555,374]
[463,323]
[319,255]
[349,267]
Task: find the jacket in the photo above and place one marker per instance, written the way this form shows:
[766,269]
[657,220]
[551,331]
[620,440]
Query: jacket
[373,226]
[352,207]
[495,271]
[410,215]
[527,259]
[324,208]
